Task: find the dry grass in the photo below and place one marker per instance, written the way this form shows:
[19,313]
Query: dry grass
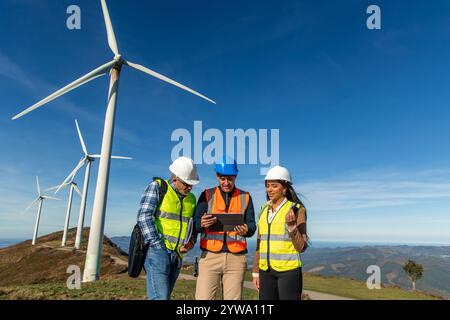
[39,273]
[23,264]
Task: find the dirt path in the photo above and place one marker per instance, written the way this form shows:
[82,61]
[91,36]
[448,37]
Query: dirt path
[117,260]
[312,294]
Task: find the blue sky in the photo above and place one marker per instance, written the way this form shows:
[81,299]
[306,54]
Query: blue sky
[363,115]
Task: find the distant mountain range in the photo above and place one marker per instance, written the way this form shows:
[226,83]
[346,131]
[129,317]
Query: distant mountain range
[352,262]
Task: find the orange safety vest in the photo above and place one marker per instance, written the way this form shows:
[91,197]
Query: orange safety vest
[214,240]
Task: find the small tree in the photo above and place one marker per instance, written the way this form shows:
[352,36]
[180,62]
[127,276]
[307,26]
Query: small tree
[414,271]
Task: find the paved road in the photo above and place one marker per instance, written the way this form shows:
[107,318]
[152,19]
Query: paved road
[312,294]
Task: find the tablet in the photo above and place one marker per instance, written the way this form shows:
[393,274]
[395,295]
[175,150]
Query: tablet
[227,222]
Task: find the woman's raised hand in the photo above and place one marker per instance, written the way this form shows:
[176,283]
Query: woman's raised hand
[291,220]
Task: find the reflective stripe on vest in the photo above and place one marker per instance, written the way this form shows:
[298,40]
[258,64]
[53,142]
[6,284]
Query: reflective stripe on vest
[173,217]
[276,237]
[214,241]
[276,248]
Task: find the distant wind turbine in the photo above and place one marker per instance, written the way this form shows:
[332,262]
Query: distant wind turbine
[86,160]
[73,186]
[40,199]
[93,256]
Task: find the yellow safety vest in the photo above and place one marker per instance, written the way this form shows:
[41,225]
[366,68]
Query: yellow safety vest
[174,216]
[276,248]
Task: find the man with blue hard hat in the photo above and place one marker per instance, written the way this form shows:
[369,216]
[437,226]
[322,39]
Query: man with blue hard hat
[223,258]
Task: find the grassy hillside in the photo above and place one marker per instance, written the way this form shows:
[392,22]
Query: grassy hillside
[348,288]
[358,290]
[39,272]
[47,261]
[121,287]
[352,263]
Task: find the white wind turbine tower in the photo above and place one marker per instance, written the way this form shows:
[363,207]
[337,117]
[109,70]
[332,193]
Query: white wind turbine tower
[73,186]
[86,160]
[39,199]
[93,256]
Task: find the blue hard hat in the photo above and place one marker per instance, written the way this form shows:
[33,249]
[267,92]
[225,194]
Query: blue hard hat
[227,167]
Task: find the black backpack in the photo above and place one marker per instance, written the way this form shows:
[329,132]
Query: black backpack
[138,248]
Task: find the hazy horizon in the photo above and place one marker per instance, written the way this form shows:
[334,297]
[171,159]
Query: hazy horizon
[315,244]
[362,114]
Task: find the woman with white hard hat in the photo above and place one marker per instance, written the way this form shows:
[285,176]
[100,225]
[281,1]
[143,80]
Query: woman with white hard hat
[277,268]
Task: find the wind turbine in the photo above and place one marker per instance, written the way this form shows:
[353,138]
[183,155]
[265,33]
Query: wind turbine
[86,160]
[73,186]
[39,199]
[93,256]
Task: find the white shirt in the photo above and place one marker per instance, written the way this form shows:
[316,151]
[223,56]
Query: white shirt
[271,214]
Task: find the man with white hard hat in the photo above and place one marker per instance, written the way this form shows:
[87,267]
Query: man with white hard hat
[165,219]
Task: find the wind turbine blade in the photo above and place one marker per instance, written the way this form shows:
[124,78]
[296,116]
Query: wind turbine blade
[97,156]
[79,82]
[109,29]
[58,188]
[71,175]
[31,205]
[51,198]
[164,78]
[77,190]
[38,187]
[55,187]
[83,145]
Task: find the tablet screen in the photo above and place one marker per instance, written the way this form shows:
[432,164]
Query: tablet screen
[227,222]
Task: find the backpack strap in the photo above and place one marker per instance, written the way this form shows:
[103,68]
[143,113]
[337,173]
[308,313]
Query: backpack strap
[162,188]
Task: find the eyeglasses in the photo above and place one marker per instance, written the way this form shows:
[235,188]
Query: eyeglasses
[186,185]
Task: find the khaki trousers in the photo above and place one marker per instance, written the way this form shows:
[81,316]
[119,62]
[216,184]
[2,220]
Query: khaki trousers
[214,268]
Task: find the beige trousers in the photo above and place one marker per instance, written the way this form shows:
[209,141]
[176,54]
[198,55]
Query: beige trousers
[216,268]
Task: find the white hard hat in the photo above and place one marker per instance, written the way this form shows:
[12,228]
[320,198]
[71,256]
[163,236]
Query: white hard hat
[279,173]
[185,169]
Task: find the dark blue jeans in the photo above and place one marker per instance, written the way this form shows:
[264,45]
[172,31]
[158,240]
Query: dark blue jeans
[162,268]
